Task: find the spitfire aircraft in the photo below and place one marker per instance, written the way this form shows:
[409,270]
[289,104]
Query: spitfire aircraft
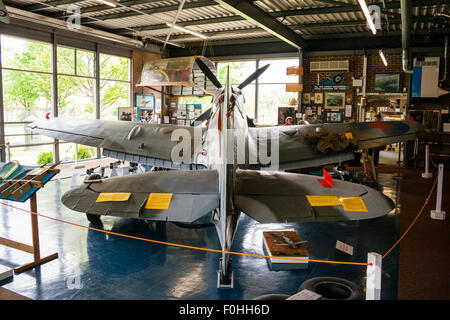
[225,168]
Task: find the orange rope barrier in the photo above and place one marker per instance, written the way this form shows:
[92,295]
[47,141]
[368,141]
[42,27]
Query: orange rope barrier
[432,162]
[185,246]
[415,219]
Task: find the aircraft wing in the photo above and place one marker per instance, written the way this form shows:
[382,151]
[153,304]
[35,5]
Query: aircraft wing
[144,143]
[187,195]
[281,197]
[319,144]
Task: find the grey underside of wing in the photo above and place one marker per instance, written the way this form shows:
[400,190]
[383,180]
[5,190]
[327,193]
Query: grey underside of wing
[274,196]
[194,194]
[295,151]
[148,143]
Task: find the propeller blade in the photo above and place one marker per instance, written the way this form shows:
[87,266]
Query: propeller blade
[253,76]
[208,73]
[203,117]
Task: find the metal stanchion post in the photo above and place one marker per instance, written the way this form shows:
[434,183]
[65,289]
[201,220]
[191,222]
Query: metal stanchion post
[77,166]
[427,174]
[438,213]
[373,282]
[8,152]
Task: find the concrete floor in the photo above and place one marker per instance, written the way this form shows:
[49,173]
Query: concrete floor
[93,265]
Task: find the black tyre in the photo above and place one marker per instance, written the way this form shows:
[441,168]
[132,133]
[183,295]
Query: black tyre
[331,288]
[193,225]
[272,296]
[94,219]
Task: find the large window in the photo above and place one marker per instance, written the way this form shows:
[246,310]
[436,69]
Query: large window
[271,93]
[272,89]
[239,71]
[76,94]
[114,85]
[26,85]
[27,78]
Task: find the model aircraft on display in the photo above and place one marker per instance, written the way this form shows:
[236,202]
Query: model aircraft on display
[240,171]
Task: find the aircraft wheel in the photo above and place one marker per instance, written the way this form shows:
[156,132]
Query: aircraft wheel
[94,219]
[331,288]
[193,224]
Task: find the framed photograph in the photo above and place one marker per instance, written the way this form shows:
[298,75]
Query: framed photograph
[306,98]
[318,98]
[335,100]
[144,101]
[125,113]
[387,82]
[334,116]
[144,114]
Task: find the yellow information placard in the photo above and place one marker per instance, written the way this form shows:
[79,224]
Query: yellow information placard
[113,196]
[353,204]
[348,135]
[159,201]
[321,201]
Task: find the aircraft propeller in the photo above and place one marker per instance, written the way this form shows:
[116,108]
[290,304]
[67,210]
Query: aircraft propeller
[208,73]
[253,76]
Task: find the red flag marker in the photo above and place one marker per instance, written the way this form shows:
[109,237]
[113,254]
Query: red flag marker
[327,181]
[47,116]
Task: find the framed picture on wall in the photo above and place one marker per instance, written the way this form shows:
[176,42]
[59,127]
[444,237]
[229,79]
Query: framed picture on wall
[144,114]
[125,113]
[387,82]
[306,98]
[335,100]
[318,98]
[144,101]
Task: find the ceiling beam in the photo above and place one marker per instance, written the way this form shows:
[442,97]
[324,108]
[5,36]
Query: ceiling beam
[278,14]
[263,19]
[271,45]
[103,7]
[300,26]
[160,9]
[40,6]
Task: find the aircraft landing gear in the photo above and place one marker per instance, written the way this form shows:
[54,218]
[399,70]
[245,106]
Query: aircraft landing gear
[94,219]
[225,276]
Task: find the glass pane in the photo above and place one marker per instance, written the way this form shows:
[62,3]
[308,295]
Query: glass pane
[85,63]
[67,152]
[24,54]
[76,97]
[17,134]
[113,94]
[114,67]
[271,97]
[65,60]
[276,73]
[26,95]
[33,155]
[239,71]
[249,100]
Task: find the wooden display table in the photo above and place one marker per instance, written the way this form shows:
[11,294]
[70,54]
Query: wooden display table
[22,185]
[285,244]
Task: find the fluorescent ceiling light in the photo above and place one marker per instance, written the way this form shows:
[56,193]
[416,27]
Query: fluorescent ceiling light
[108,2]
[187,30]
[383,58]
[366,12]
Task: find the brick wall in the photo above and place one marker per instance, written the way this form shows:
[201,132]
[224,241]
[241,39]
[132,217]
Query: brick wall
[374,65]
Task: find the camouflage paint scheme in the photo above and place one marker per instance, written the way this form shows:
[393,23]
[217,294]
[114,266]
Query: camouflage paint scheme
[228,189]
